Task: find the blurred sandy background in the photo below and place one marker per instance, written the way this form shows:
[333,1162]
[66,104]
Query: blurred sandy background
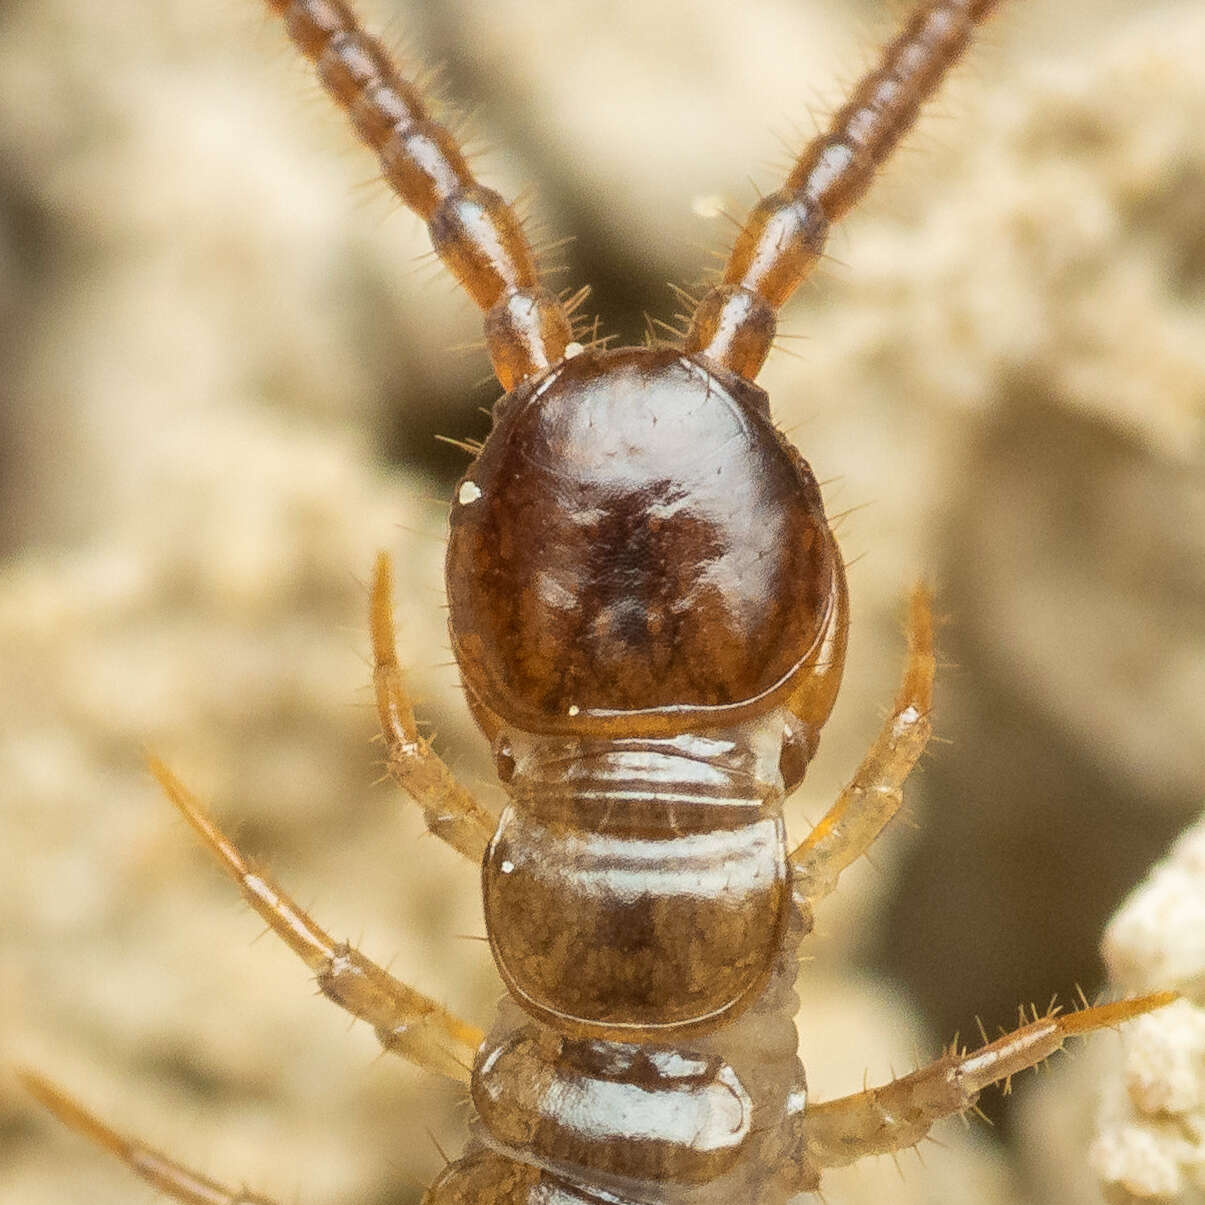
[223,364]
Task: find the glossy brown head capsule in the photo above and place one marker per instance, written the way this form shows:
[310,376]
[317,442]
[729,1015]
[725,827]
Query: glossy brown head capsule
[649,614]
[638,551]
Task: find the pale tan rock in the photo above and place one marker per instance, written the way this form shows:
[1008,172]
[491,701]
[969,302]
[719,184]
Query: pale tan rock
[1135,1103]
[1150,1142]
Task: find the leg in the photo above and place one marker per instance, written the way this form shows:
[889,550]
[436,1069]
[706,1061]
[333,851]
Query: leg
[452,814]
[165,1174]
[878,1121]
[407,1022]
[876,791]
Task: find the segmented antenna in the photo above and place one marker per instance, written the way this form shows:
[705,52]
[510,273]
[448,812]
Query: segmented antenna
[784,236]
[473,230]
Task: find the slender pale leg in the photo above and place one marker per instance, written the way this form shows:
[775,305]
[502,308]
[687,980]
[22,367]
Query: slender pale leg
[406,1022]
[452,814]
[898,1115]
[168,1176]
[875,793]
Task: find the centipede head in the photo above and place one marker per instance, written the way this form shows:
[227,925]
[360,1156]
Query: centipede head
[638,551]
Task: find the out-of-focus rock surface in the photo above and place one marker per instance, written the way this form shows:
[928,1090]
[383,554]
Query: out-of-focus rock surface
[1144,1110]
[213,341]
[1069,526]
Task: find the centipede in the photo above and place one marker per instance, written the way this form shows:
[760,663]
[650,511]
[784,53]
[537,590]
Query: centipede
[650,615]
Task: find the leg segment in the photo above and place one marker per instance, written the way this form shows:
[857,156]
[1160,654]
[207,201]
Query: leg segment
[784,236]
[473,230]
[878,1121]
[452,814]
[407,1022]
[168,1176]
[876,791]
